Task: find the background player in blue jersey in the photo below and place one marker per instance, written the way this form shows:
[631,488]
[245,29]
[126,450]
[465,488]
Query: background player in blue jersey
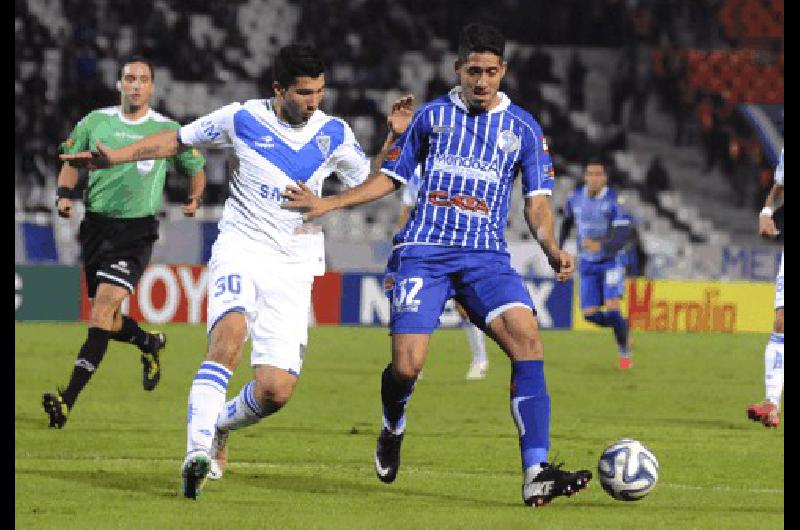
[472,143]
[603,231]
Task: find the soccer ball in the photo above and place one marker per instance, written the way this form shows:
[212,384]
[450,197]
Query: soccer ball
[628,470]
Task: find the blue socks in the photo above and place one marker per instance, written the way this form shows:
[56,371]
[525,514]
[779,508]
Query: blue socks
[613,318]
[530,407]
[394,395]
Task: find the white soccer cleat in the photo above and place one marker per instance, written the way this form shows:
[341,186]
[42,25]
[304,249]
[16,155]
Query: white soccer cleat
[219,454]
[478,370]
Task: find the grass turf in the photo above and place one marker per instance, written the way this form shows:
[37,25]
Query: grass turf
[116,464]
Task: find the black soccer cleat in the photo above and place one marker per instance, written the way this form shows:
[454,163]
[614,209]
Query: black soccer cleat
[151,367]
[56,408]
[387,455]
[552,482]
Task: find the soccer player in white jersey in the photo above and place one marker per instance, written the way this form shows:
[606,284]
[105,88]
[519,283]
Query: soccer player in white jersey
[479,365]
[265,258]
[768,411]
[472,143]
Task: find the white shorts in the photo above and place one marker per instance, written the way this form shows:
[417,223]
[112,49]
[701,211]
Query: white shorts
[275,298]
[779,287]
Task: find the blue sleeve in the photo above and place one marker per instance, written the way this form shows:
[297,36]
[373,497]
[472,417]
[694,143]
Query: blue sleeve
[406,153]
[620,231]
[536,165]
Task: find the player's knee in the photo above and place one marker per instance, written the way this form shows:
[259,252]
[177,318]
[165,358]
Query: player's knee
[406,371]
[274,395]
[528,347]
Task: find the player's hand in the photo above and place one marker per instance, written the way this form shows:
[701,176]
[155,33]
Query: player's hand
[64,207]
[563,263]
[303,199]
[191,207]
[591,245]
[98,159]
[766,226]
[400,114]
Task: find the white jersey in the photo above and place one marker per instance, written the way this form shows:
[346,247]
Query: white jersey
[270,154]
[779,171]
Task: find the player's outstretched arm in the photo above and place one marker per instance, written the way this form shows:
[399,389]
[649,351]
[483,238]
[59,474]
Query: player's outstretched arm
[539,217]
[302,198]
[162,144]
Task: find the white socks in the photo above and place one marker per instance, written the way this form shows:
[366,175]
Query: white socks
[206,399]
[241,411]
[477,342]
[773,368]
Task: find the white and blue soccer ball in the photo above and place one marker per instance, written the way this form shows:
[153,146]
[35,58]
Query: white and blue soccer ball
[628,470]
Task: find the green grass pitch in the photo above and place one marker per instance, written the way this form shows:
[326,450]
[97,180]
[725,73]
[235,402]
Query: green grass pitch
[116,464]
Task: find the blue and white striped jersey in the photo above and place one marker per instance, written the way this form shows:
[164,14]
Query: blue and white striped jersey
[468,165]
[596,218]
[269,154]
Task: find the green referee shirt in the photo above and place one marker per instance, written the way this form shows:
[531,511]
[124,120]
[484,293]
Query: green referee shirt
[133,189]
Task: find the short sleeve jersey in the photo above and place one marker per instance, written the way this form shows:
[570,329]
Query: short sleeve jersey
[133,189]
[269,154]
[469,161]
[595,217]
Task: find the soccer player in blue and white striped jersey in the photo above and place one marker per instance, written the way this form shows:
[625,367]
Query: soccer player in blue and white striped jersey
[604,229]
[472,143]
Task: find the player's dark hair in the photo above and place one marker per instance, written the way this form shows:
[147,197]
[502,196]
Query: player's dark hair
[597,161]
[480,38]
[296,60]
[136,59]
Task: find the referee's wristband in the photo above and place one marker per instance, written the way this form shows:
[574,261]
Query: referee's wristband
[64,192]
[766,211]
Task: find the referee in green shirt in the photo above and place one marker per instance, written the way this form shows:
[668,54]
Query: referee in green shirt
[120,226]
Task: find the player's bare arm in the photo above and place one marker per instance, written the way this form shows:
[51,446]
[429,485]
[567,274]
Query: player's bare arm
[774,200]
[162,144]
[197,186]
[67,180]
[377,185]
[539,217]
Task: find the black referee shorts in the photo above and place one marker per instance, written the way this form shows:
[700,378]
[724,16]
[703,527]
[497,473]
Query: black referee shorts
[116,250]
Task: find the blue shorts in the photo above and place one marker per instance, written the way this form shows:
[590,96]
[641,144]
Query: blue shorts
[601,280]
[420,279]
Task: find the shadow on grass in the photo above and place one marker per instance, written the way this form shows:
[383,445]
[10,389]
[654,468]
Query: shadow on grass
[127,481]
[316,485]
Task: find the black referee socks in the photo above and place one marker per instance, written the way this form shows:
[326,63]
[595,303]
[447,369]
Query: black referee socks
[89,358]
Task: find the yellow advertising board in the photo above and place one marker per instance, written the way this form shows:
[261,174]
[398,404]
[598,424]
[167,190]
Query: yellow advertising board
[692,306]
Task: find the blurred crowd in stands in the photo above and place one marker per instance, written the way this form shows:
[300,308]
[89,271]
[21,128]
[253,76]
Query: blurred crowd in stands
[60,64]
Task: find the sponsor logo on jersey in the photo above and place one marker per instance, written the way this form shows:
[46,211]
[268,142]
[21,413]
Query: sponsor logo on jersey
[465,203]
[508,141]
[443,129]
[467,166]
[324,144]
[127,135]
[265,143]
[393,154]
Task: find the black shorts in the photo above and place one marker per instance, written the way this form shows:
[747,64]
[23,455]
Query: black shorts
[116,250]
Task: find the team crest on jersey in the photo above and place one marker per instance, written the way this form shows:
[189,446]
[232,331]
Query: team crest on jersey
[508,141]
[393,154]
[324,144]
